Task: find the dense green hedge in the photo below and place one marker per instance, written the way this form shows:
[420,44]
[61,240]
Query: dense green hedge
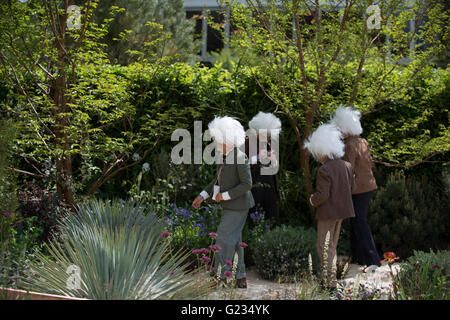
[176,95]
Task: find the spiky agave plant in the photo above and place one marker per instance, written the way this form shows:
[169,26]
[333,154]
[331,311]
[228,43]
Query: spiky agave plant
[112,250]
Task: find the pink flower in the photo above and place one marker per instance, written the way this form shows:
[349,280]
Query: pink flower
[228,274]
[243,244]
[205,259]
[213,234]
[165,234]
[201,250]
[229,263]
[172,272]
[208,268]
[6,214]
[215,247]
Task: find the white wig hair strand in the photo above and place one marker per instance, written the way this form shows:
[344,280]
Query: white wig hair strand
[227,130]
[347,120]
[326,140]
[267,121]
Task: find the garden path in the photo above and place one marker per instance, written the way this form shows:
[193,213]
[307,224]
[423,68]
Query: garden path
[373,281]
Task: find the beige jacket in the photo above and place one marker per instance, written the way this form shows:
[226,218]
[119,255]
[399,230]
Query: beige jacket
[358,154]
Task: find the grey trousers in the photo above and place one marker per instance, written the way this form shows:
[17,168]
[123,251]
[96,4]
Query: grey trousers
[229,235]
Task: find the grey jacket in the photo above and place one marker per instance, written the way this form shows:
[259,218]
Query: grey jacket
[235,179]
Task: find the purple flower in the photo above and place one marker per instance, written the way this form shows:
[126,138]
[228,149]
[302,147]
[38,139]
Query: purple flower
[172,272]
[256,216]
[229,263]
[267,227]
[182,212]
[215,247]
[213,234]
[243,244]
[208,268]
[205,259]
[6,214]
[165,234]
[121,201]
[436,266]
[228,274]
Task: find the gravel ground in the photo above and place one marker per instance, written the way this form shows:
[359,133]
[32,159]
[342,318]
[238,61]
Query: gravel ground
[374,282]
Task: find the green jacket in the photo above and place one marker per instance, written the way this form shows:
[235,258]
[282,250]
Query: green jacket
[236,179]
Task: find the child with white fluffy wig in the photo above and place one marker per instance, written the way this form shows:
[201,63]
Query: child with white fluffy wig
[333,196]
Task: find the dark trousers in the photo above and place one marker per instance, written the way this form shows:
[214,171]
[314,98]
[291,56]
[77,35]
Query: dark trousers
[362,245]
[264,193]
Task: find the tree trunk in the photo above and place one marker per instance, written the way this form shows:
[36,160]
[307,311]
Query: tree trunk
[303,155]
[64,160]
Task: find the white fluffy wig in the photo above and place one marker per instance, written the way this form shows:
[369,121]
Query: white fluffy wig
[347,120]
[326,140]
[267,121]
[227,130]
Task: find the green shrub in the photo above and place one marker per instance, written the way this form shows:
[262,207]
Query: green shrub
[282,253]
[408,215]
[424,276]
[41,204]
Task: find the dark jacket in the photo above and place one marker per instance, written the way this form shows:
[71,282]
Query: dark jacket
[236,179]
[333,196]
[256,167]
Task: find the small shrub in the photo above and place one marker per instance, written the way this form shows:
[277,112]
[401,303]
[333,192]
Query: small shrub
[408,215]
[282,253]
[424,276]
[19,249]
[42,204]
